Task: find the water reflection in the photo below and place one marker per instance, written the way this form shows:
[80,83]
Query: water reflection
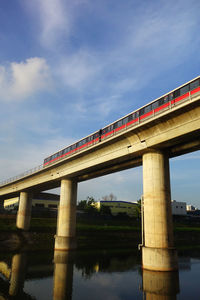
[93,275]
[18,271]
[160,285]
[63,275]
[13,278]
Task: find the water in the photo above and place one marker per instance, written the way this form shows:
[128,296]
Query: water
[99,275]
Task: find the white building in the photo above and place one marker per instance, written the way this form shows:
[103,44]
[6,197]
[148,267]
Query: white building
[190,207]
[40,200]
[178,208]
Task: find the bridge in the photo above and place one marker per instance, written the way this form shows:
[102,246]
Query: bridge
[150,142]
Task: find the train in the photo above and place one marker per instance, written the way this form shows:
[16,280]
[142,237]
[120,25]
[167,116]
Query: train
[182,93]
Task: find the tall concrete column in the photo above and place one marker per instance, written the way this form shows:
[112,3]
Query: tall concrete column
[66,225]
[63,275]
[158,252]
[24,211]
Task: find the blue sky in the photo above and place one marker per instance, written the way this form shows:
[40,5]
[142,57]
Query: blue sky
[67,68]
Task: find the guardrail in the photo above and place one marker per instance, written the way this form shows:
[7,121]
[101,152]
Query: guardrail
[24,174]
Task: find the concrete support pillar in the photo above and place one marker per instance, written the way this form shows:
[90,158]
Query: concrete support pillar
[158,252]
[65,238]
[24,211]
[63,275]
[18,272]
[160,285]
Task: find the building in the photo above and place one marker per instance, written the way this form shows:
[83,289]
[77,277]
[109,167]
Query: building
[41,200]
[190,208]
[178,208]
[118,207]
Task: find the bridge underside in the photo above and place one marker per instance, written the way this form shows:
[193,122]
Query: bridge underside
[176,133]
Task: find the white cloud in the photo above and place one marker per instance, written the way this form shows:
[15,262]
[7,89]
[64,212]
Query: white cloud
[54,19]
[79,69]
[20,80]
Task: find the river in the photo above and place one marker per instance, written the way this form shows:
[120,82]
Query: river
[99,275]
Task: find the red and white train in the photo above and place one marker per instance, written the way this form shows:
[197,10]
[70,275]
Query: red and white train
[182,93]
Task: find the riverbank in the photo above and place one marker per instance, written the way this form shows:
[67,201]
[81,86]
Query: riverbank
[104,234]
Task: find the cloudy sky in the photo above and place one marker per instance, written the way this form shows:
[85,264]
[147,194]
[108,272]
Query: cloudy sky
[67,68]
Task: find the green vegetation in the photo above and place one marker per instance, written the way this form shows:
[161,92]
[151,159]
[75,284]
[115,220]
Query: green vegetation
[93,232]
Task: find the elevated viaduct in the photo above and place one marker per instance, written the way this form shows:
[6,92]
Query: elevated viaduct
[150,142]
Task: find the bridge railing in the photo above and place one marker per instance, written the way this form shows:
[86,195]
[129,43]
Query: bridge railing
[24,174]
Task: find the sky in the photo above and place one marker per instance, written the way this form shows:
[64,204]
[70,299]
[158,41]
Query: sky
[68,68]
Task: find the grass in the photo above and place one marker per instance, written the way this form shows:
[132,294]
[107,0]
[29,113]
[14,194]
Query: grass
[8,223]
[97,234]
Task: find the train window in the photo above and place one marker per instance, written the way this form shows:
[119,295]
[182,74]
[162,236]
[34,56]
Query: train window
[96,135]
[170,96]
[165,99]
[141,112]
[177,93]
[184,89]
[105,130]
[119,123]
[110,128]
[125,120]
[148,108]
[194,84]
[73,146]
[136,114]
[115,125]
[130,117]
[155,104]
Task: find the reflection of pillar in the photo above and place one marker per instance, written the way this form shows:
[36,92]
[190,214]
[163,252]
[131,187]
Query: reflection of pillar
[63,275]
[18,272]
[160,285]
[24,211]
[66,226]
[158,252]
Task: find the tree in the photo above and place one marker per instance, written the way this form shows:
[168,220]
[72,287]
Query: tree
[87,205]
[105,210]
[82,205]
[110,197]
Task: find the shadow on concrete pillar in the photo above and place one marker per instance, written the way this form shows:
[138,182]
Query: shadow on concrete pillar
[65,238]
[158,252]
[160,285]
[24,211]
[18,273]
[63,275]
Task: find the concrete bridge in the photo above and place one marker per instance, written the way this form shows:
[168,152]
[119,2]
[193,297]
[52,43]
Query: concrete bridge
[150,142]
